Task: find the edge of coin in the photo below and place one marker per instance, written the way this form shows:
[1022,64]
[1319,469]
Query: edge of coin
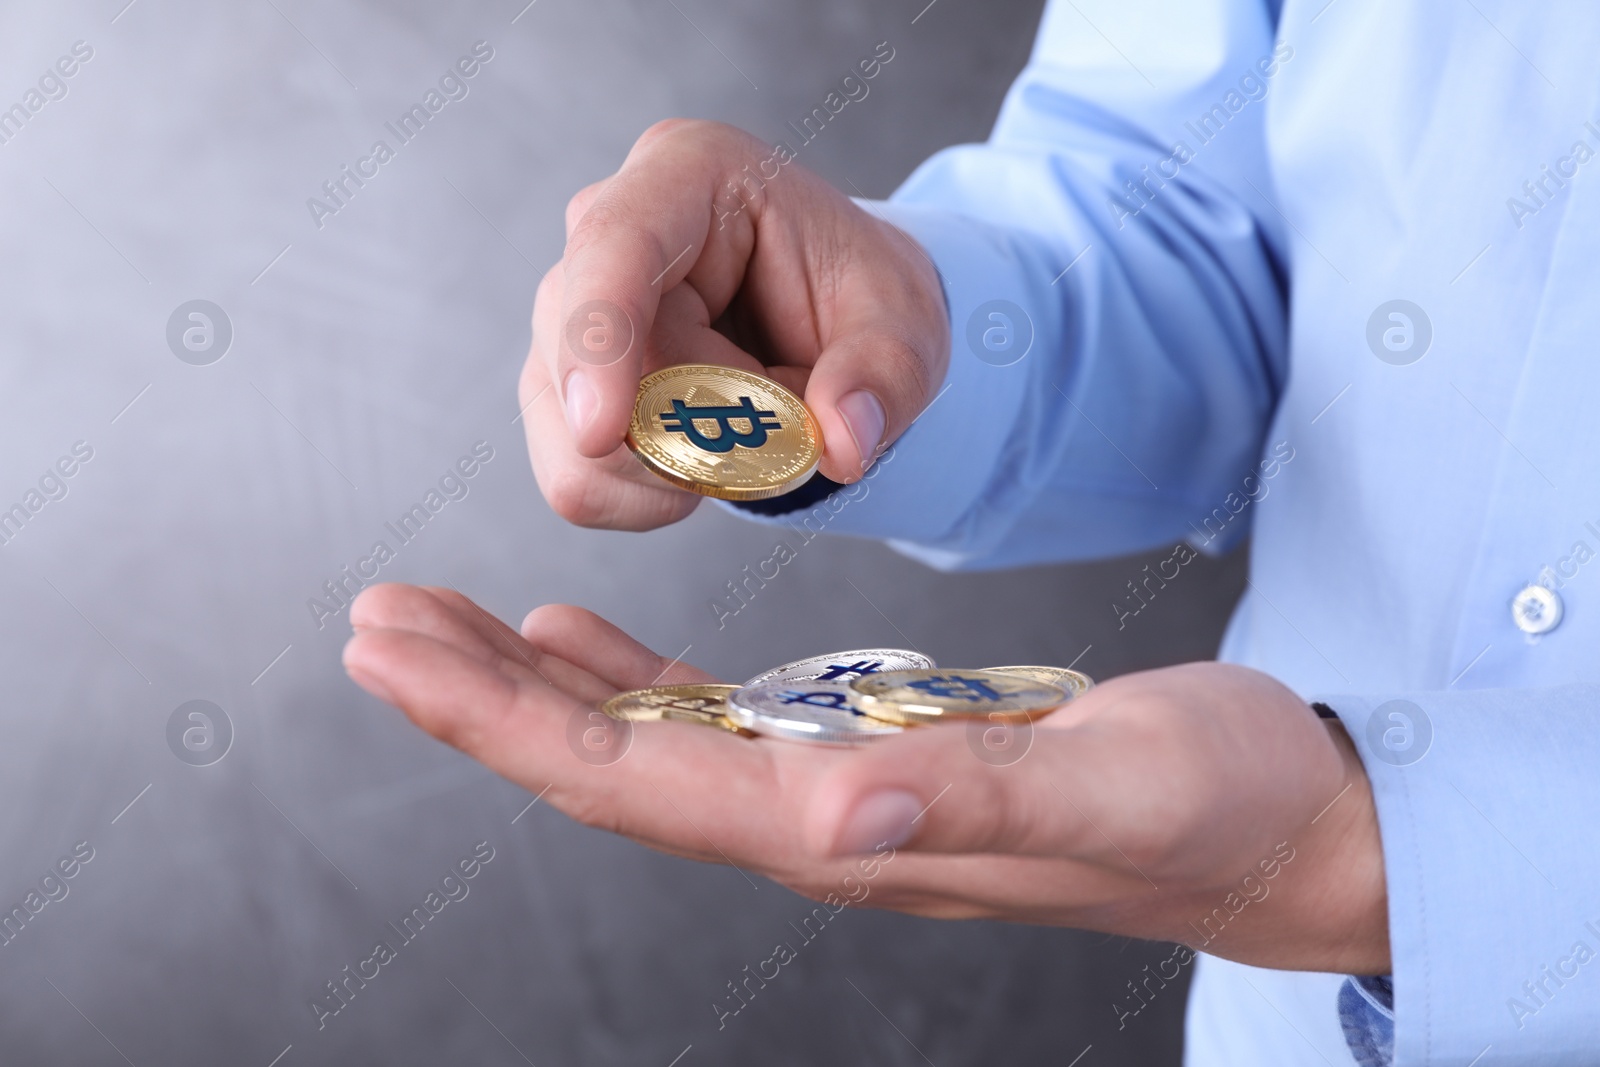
[824,737]
[902,714]
[716,719]
[1019,670]
[714,491]
[772,674]
[609,705]
[614,699]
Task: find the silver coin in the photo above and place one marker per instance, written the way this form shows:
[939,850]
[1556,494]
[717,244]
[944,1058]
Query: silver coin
[844,666]
[816,712]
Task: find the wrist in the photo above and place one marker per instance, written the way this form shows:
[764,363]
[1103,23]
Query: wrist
[1341,895]
[1323,906]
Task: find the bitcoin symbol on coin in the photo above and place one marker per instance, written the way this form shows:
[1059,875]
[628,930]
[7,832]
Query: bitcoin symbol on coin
[825,699]
[861,667]
[681,419]
[692,704]
[956,687]
[723,433]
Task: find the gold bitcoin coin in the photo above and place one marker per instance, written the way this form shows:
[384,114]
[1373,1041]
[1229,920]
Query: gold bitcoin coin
[707,715]
[703,704]
[941,695]
[723,433]
[1076,683]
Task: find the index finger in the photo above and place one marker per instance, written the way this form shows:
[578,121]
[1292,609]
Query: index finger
[642,234]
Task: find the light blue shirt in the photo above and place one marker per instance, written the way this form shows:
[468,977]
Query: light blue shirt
[1198,218]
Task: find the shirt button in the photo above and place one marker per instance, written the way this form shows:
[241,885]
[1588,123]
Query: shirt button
[1536,609]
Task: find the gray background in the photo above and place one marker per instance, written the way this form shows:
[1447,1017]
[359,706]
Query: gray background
[370,356]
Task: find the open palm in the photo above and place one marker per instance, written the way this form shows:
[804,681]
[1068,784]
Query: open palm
[1136,809]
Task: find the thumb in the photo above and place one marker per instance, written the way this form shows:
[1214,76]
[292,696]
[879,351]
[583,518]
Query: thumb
[880,369]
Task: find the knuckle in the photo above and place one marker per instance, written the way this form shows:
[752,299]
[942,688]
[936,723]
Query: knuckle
[549,289]
[663,128]
[610,219]
[908,367]
[1016,819]
[684,130]
[580,203]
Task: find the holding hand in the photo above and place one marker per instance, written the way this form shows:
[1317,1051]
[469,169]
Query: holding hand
[703,249]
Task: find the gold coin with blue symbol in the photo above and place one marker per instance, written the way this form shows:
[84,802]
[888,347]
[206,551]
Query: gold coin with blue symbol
[704,704]
[938,694]
[723,433]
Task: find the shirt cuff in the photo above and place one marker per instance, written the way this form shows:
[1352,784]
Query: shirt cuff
[1494,927]
[1366,1014]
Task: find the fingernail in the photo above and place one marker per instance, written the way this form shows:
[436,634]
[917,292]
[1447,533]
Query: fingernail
[879,819]
[863,413]
[371,685]
[582,401]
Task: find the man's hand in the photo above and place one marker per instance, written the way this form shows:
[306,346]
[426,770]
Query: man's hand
[1204,803]
[705,248]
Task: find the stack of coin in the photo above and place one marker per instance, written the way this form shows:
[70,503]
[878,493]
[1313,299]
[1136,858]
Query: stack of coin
[855,697]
